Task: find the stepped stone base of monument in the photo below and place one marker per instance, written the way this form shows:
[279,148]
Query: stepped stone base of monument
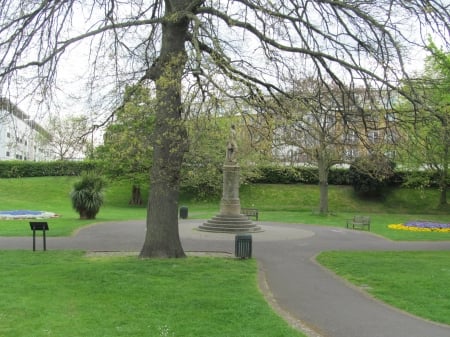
[230,224]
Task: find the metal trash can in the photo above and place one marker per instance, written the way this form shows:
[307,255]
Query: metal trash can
[243,246]
[183,212]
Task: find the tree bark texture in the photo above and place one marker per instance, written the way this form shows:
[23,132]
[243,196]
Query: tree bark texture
[136,198]
[443,185]
[169,138]
[323,185]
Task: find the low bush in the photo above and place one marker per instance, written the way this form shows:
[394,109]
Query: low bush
[87,195]
[370,175]
[22,169]
[276,174]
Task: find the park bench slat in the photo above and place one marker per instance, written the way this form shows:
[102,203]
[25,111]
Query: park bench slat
[359,221]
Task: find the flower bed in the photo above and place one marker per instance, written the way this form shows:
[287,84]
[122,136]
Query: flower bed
[422,226]
[26,214]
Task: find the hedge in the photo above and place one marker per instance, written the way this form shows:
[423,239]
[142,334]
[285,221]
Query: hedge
[297,175]
[22,169]
[337,176]
[264,174]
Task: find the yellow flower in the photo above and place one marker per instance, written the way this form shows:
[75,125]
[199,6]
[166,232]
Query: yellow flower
[418,229]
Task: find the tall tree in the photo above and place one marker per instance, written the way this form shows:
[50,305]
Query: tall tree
[202,168]
[427,132]
[127,150]
[68,140]
[208,43]
[314,130]
[322,128]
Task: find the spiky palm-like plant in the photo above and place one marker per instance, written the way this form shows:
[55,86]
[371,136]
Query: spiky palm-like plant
[87,195]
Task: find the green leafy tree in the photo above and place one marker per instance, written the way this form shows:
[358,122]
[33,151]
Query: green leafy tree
[202,167]
[127,150]
[426,126]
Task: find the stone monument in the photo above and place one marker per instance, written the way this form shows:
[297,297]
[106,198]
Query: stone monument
[230,219]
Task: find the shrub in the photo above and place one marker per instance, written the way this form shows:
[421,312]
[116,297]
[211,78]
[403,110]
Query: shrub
[277,174]
[369,175]
[22,169]
[87,195]
[339,176]
[297,175]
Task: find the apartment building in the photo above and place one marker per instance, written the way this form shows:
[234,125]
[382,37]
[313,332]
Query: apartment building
[21,138]
[341,134]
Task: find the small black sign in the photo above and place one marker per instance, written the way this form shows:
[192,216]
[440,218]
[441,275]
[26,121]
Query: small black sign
[39,226]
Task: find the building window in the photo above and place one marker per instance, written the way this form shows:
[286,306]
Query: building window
[374,136]
[350,137]
[7,153]
[350,153]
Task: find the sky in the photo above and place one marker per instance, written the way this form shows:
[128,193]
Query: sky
[71,95]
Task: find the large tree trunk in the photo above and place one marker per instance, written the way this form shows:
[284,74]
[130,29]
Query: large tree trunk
[443,194]
[323,165]
[136,198]
[323,186]
[170,138]
[443,186]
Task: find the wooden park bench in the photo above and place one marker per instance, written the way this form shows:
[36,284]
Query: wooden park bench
[359,221]
[250,212]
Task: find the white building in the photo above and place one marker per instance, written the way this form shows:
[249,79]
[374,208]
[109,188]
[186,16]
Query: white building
[21,138]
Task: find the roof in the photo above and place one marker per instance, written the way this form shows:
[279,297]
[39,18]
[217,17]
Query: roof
[10,107]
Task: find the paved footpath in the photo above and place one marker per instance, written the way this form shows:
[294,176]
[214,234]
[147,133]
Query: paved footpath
[306,294]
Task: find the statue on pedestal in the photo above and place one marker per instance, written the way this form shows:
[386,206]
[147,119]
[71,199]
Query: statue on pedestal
[230,219]
[231,146]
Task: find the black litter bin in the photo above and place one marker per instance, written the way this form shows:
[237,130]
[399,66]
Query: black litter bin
[243,246]
[183,212]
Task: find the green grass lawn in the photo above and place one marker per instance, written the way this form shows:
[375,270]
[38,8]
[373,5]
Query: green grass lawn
[69,294]
[295,204]
[416,282]
[200,297]
[52,194]
[279,203]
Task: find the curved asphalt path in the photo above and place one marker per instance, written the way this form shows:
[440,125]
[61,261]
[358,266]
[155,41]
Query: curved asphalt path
[310,297]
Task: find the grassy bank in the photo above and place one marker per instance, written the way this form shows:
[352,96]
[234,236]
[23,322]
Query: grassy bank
[52,194]
[280,203]
[69,294]
[412,281]
[125,296]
